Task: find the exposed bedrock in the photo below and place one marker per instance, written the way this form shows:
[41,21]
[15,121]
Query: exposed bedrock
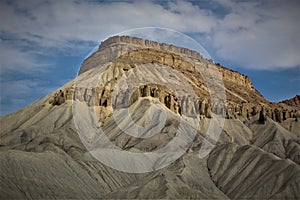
[126,53]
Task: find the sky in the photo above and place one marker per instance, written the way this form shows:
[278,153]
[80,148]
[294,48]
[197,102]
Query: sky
[44,42]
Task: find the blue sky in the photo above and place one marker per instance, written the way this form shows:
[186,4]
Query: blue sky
[43,43]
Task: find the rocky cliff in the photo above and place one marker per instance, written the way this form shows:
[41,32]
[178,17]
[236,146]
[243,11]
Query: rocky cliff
[115,46]
[242,98]
[295,101]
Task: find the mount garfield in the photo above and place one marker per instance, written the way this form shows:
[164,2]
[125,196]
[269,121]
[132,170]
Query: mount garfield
[177,131]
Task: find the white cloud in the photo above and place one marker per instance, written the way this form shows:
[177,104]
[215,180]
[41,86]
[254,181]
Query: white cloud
[70,20]
[260,36]
[14,59]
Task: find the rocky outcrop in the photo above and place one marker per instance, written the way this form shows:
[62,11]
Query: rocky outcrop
[59,97]
[148,44]
[163,94]
[295,101]
[116,46]
[243,100]
[235,77]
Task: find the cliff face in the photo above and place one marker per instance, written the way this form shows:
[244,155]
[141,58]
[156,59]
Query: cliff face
[126,52]
[293,101]
[116,46]
[148,44]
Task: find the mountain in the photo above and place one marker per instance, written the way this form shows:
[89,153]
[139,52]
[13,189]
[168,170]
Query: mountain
[148,120]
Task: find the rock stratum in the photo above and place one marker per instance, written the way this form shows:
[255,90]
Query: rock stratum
[293,101]
[257,155]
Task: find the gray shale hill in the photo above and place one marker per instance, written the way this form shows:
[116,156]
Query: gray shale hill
[256,157]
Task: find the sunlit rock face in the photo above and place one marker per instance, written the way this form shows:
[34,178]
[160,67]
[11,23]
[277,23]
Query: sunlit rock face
[256,155]
[295,101]
[124,53]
